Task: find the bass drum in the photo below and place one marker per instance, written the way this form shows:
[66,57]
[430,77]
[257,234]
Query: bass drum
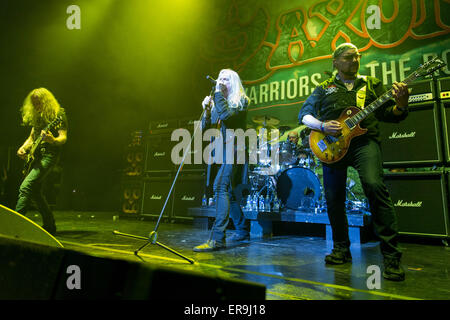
[298,187]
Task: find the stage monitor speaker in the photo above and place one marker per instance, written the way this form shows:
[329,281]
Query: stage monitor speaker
[414,141]
[420,201]
[17,226]
[131,196]
[156,190]
[36,272]
[189,190]
[159,150]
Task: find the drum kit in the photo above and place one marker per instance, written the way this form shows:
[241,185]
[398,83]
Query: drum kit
[291,183]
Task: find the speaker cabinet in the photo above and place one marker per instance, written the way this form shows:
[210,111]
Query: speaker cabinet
[155,193]
[420,201]
[416,141]
[189,191]
[162,126]
[134,161]
[131,196]
[134,155]
[445,116]
[159,149]
[443,86]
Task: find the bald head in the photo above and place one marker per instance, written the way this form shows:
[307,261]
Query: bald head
[293,137]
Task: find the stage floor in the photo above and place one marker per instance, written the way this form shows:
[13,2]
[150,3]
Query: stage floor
[290,266]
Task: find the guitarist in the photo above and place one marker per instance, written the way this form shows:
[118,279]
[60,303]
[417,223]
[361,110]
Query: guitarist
[39,109]
[328,100]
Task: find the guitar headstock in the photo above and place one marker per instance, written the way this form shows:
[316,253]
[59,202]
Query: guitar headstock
[429,67]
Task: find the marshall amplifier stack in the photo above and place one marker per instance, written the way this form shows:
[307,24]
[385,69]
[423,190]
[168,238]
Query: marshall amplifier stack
[416,157]
[415,141]
[444,97]
[421,202]
[145,193]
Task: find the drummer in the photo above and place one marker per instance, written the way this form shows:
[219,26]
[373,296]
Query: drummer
[294,138]
[304,157]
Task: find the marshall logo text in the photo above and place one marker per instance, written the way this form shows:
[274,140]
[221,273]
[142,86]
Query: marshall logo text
[411,204]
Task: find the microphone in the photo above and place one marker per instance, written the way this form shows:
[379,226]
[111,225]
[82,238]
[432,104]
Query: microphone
[211,79]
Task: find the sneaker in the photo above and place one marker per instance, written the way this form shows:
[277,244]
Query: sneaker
[236,237]
[393,270]
[338,256]
[210,245]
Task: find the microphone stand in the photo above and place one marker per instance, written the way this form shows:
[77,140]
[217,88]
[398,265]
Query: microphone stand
[153,236]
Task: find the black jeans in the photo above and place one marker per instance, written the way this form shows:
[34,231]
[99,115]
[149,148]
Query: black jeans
[31,190]
[227,179]
[364,155]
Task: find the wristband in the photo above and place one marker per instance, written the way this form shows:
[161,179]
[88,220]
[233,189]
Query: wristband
[322,126]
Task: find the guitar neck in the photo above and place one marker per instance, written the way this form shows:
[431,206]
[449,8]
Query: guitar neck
[35,145]
[361,115]
[39,139]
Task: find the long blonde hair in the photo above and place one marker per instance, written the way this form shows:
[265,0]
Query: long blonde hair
[49,110]
[237,92]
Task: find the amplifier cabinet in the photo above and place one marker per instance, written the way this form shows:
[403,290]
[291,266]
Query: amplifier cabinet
[421,91]
[414,141]
[445,116]
[131,196]
[189,190]
[421,202]
[155,194]
[158,154]
[443,87]
[162,126]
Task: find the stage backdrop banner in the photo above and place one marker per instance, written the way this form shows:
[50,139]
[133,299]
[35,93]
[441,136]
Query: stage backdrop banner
[282,49]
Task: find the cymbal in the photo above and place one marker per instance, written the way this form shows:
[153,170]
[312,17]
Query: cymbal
[266,120]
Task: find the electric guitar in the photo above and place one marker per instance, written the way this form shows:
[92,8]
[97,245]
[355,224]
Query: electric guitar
[331,149]
[31,156]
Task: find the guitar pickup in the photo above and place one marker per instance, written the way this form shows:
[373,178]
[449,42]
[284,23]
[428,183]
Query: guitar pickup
[322,145]
[331,139]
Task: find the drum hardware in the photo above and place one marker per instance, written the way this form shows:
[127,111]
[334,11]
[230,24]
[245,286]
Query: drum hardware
[293,182]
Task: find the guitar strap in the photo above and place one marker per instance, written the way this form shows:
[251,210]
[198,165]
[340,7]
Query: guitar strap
[361,97]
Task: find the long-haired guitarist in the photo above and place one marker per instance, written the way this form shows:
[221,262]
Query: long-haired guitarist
[319,112]
[41,149]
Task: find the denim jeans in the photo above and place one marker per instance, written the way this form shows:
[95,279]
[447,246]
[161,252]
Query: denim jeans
[31,189]
[364,155]
[227,178]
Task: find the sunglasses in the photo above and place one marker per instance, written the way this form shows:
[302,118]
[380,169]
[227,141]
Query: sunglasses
[350,57]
